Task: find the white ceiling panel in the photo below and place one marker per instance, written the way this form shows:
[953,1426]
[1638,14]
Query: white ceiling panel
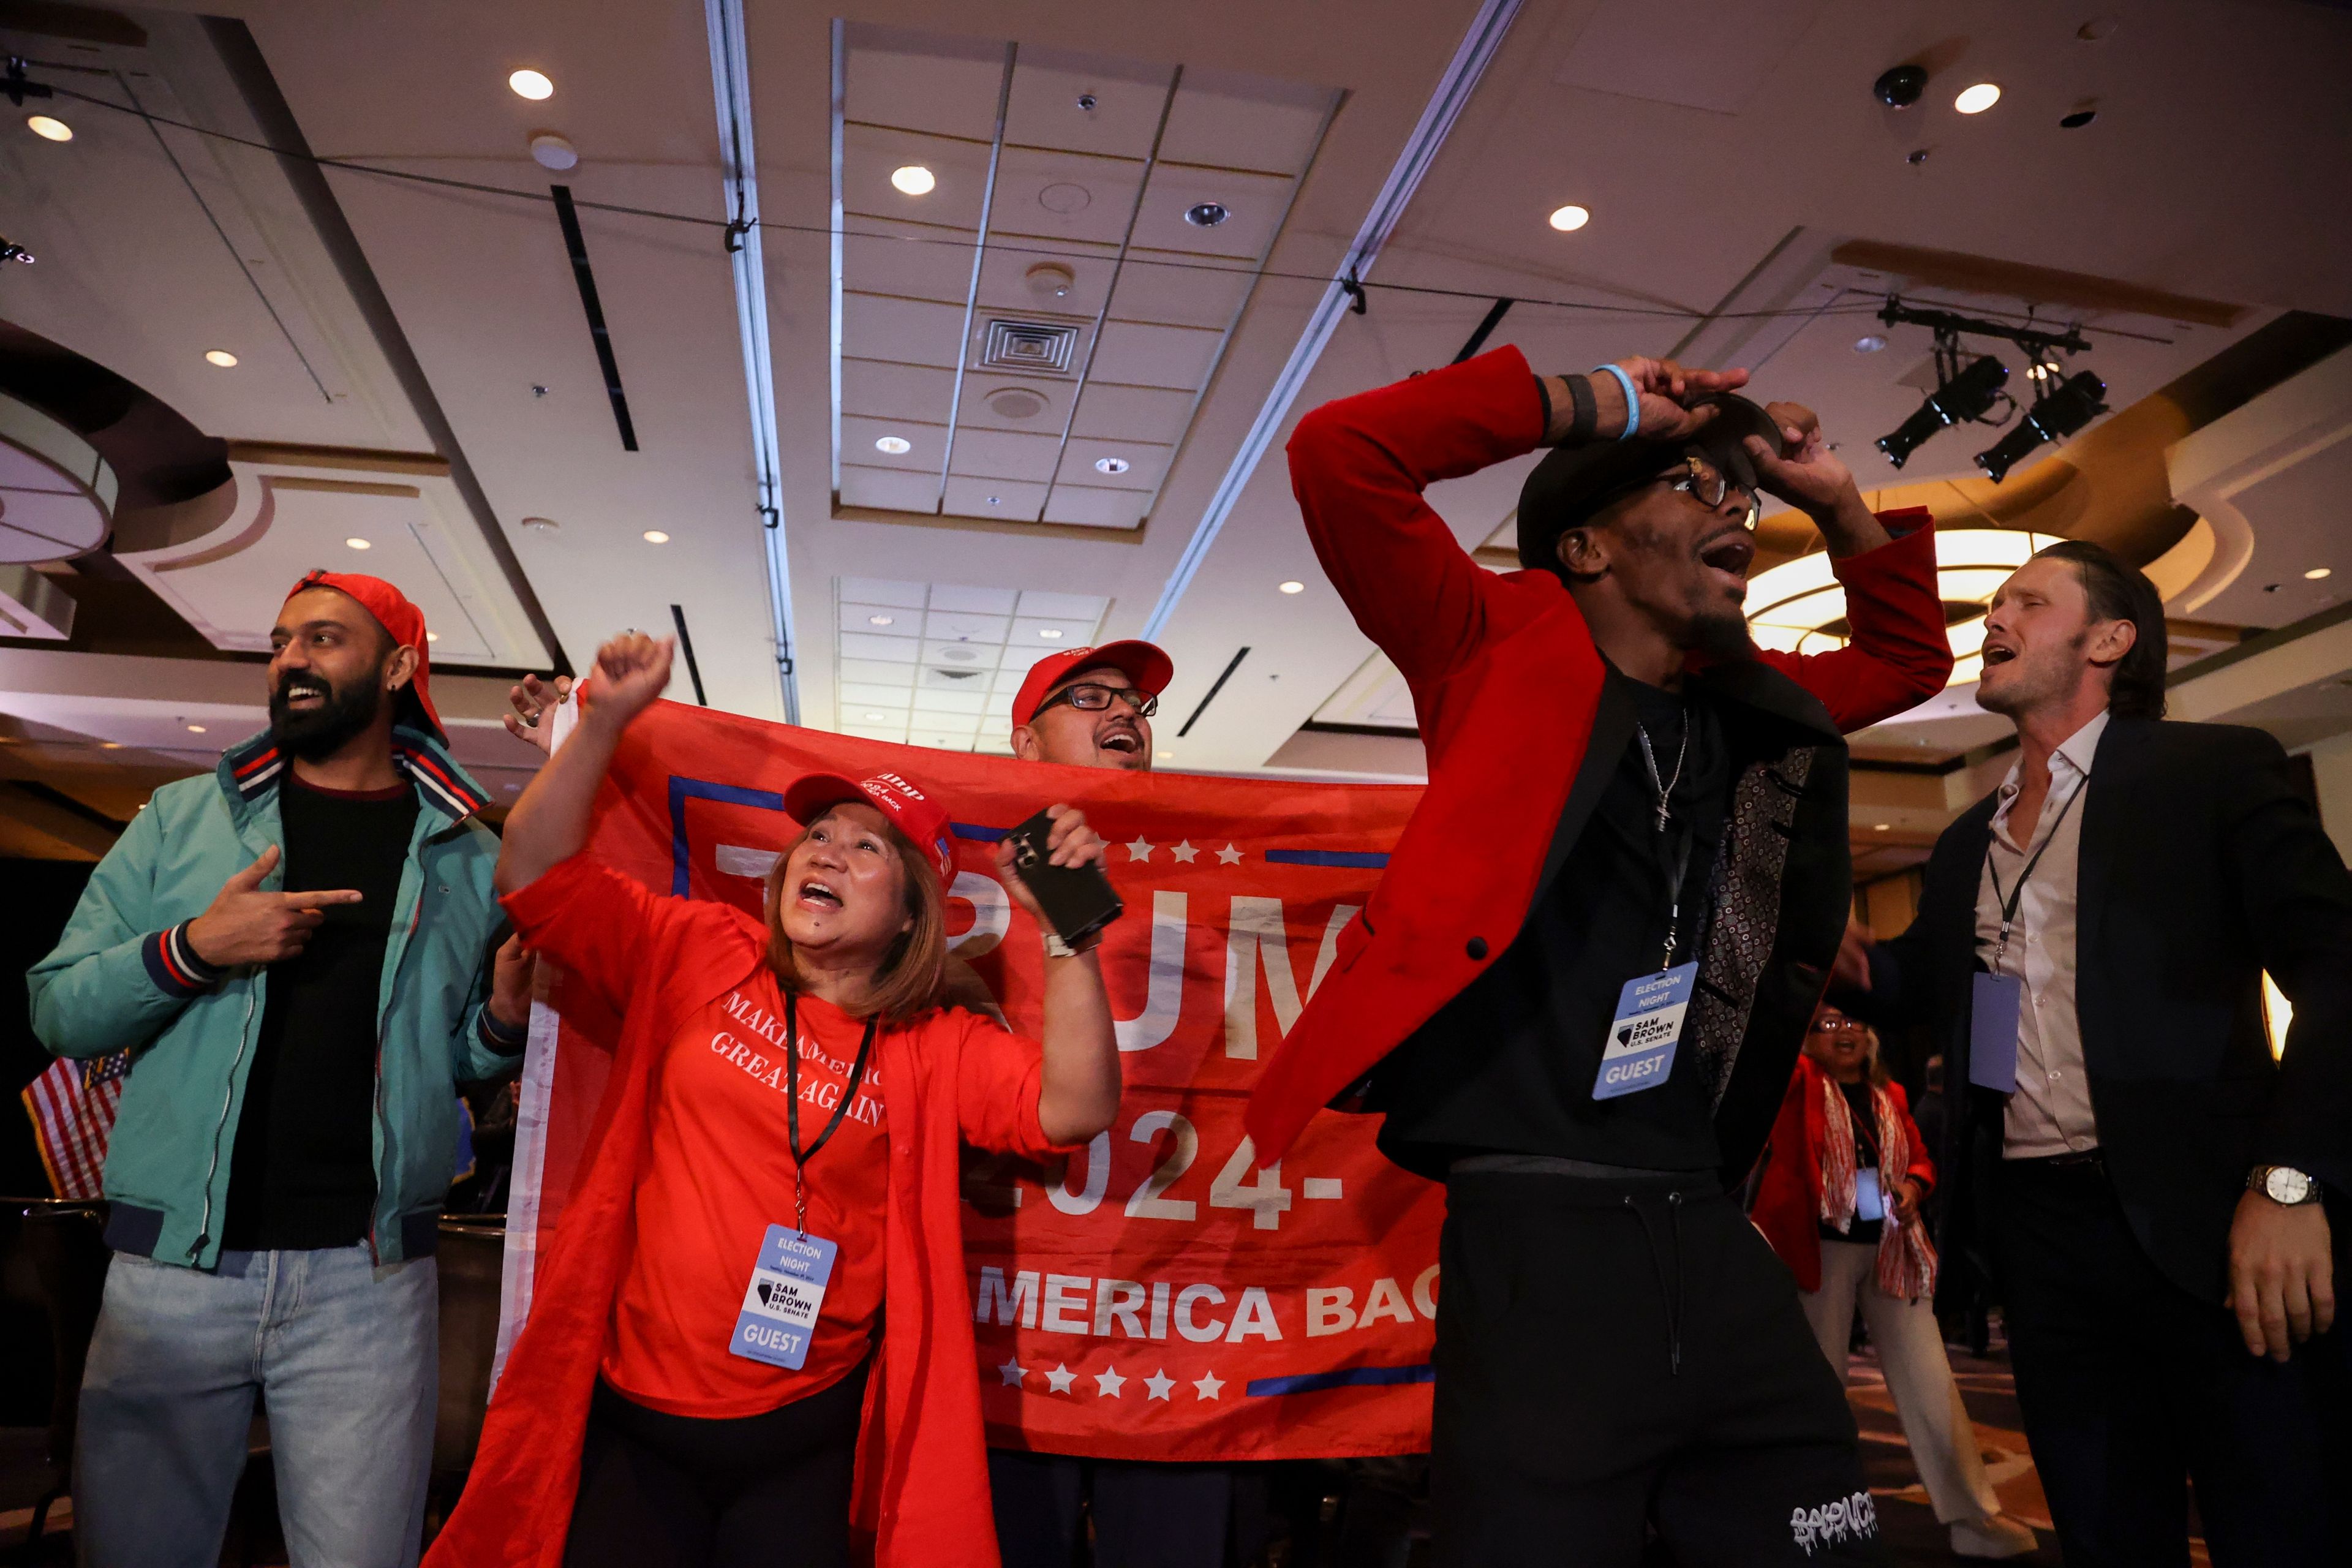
[888,490]
[1008,500]
[1181,291]
[965,596]
[1234,121]
[944,625]
[1137,354]
[915,260]
[877,671]
[933,82]
[969,703]
[870,153]
[1058,633]
[885,389]
[1146,465]
[1097,508]
[910,331]
[1064,196]
[875,695]
[927,445]
[1118,119]
[1046,604]
[1157,414]
[1255,204]
[993,401]
[1005,455]
[1011,279]
[886,591]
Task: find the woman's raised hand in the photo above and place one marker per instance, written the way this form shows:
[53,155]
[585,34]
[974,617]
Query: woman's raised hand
[632,670]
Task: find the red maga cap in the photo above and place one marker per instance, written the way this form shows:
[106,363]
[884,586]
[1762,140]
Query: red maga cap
[1145,665]
[912,810]
[404,621]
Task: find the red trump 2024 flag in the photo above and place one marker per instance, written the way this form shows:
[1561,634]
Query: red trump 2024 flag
[1157,1296]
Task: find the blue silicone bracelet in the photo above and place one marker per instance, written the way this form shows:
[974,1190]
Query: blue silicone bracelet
[1632,399]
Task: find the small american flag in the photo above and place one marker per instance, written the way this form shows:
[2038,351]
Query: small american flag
[72,1106]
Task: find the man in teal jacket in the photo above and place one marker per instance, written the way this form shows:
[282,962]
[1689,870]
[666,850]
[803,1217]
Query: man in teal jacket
[296,953]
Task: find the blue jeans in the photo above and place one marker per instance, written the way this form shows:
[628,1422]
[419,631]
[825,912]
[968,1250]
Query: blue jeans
[345,1355]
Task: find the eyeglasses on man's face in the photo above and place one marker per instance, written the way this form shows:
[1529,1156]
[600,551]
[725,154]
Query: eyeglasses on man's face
[1838,1026]
[1088,698]
[1699,481]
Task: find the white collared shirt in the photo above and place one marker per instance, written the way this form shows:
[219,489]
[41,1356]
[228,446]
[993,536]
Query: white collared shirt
[2051,1112]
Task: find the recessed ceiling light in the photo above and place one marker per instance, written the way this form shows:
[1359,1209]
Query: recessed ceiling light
[893,445]
[880,620]
[110,745]
[356,542]
[1977,99]
[656,536]
[196,729]
[1051,633]
[1570,219]
[553,151]
[996,501]
[876,718]
[913,179]
[2316,572]
[1165,755]
[1112,465]
[432,636]
[1206,214]
[221,357]
[1293,586]
[531,84]
[541,524]
[1869,344]
[1880,827]
[49,129]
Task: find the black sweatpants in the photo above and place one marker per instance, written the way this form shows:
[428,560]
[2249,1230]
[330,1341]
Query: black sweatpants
[2130,1387]
[1614,1356]
[1145,1514]
[658,1491]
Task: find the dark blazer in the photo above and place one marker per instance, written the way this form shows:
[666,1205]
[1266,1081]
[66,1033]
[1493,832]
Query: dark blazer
[2202,868]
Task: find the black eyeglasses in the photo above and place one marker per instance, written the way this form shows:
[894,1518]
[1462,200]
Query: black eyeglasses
[1091,699]
[1696,478]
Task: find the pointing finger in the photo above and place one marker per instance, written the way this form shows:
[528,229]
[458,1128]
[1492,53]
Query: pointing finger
[315,899]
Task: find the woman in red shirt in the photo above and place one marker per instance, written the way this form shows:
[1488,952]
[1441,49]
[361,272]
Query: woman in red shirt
[1843,1177]
[782,1371]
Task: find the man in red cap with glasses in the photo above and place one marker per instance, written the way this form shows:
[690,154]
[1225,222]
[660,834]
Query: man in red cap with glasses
[297,951]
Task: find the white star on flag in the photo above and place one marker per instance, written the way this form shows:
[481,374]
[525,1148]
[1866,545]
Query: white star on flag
[1230,856]
[1107,1383]
[1207,1384]
[1158,1385]
[1013,1372]
[1061,1377]
[1184,852]
[1140,849]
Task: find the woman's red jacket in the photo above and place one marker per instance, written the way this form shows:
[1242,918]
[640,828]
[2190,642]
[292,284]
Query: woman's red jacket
[1789,1197]
[921,1493]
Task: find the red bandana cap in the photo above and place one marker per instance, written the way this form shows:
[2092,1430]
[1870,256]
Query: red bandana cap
[405,625]
[909,809]
[1141,662]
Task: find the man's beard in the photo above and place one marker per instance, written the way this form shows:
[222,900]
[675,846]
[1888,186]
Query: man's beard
[323,731]
[1720,636]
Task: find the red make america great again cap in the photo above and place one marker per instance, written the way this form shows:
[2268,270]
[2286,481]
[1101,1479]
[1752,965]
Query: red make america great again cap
[1141,662]
[911,809]
[397,615]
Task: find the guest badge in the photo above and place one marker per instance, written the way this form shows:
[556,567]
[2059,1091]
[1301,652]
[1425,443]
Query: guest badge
[787,1289]
[1643,1036]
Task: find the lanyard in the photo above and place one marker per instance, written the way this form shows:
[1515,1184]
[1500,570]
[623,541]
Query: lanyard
[1665,790]
[2009,900]
[801,1157]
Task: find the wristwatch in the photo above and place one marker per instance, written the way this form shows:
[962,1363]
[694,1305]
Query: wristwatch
[2284,1184]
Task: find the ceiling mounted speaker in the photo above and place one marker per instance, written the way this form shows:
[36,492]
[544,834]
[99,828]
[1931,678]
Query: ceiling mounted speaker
[1050,280]
[551,151]
[1015,403]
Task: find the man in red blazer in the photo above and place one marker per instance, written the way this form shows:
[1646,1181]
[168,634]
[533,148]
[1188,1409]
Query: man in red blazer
[1580,988]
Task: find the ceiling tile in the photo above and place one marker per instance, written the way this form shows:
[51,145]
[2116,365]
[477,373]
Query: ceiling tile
[1054,606]
[1229,121]
[1138,355]
[1005,501]
[1146,465]
[1016,663]
[889,697]
[1007,286]
[921,392]
[952,625]
[878,646]
[1151,414]
[970,703]
[910,260]
[1097,508]
[883,590]
[888,622]
[981,402]
[962,597]
[875,671]
[870,154]
[951,86]
[952,677]
[1180,290]
[885,489]
[1044,109]
[909,332]
[1029,631]
[959,727]
[1005,455]
[1064,196]
[1255,204]
[927,445]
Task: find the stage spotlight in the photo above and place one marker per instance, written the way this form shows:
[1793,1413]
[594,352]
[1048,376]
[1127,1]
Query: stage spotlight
[1965,396]
[2052,419]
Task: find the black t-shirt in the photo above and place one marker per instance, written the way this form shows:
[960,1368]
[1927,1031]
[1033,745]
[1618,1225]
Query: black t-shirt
[1508,1066]
[303,1172]
[1864,1116]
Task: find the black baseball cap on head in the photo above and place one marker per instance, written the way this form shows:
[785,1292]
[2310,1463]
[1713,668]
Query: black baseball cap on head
[1571,482]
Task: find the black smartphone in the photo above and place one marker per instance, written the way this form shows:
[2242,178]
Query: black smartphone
[1078,900]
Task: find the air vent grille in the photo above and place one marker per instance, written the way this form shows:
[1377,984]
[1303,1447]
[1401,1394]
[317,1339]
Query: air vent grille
[1037,347]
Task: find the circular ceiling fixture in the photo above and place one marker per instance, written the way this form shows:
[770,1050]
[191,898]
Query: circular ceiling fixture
[960,655]
[1798,607]
[1570,219]
[432,636]
[541,524]
[2316,572]
[1015,403]
[1064,198]
[1051,633]
[895,445]
[531,84]
[1293,586]
[49,128]
[196,729]
[1900,85]
[1869,344]
[1206,214]
[1977,99]
[2077,119]
[1112,465]
[549,151]
[56,494]
[872,718]
[356,542]
[656,536]
[881,620]
[913,179]
[221,358]
[1050,279]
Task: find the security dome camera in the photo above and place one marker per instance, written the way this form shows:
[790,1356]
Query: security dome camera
[1900,86]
